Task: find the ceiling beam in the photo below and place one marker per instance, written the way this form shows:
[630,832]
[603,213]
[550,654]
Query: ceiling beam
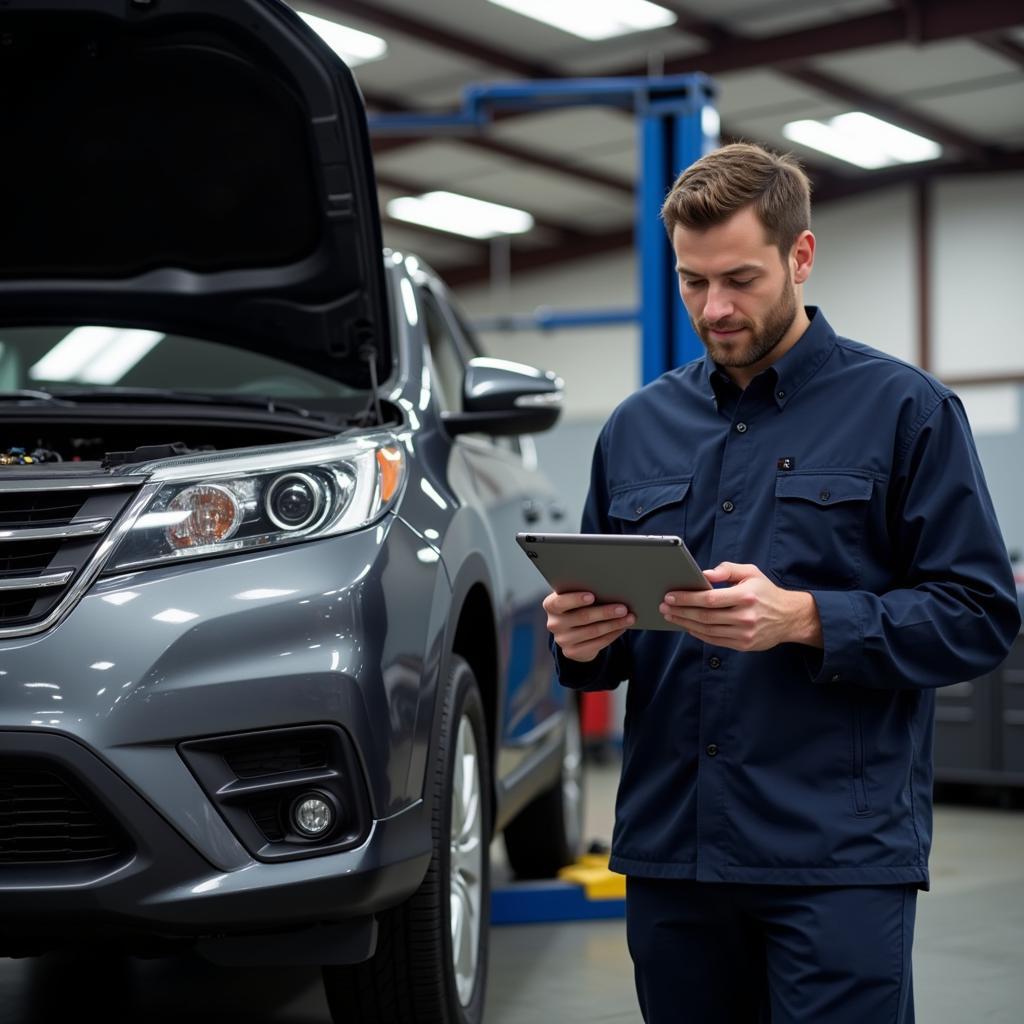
[862,99]
[444,38]
[890,111]
[940,19]
[489,144]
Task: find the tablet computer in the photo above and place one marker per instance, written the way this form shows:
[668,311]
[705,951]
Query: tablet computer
[636,571]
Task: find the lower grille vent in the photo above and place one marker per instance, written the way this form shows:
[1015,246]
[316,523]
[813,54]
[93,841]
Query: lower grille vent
[46,819]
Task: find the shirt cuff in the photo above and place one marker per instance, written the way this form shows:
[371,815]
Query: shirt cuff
[582,675]
[842,636]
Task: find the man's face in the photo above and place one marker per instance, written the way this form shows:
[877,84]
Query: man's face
[737,289]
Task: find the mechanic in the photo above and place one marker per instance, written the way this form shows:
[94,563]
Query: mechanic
[774,813]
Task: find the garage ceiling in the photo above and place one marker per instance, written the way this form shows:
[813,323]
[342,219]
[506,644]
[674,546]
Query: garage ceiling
[949,69]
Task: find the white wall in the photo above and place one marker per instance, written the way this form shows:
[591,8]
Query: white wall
[978,289]
[864,275]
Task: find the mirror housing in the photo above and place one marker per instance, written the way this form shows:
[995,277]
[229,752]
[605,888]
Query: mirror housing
[501,397]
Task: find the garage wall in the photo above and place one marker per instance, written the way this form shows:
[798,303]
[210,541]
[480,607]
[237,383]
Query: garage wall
[864,280]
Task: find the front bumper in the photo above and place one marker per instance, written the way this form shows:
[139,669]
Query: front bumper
[159,887]
[150,664]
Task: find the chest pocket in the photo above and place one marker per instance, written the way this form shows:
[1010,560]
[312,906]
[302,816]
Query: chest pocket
[654,507]
[818,532]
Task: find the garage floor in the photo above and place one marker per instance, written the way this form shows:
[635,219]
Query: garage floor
[968,963]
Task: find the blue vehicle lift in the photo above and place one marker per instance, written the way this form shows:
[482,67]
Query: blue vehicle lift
[677,124]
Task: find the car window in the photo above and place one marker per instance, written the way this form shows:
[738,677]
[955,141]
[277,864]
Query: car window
[448,364]
[96,356]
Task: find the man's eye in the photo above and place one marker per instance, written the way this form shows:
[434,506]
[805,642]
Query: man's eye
[741,284]
[692,282]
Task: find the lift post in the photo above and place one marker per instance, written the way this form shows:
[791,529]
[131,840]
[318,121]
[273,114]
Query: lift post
[677,124]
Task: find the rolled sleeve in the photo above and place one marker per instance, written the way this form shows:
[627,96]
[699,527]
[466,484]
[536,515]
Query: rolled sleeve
[839,660]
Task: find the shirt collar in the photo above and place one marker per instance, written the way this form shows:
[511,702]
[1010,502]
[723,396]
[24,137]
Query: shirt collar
[794,369]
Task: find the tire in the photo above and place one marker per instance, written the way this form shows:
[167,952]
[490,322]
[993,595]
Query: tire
[548,833]
[427,970]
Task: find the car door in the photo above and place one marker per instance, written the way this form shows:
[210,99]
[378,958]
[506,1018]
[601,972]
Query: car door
[513,496]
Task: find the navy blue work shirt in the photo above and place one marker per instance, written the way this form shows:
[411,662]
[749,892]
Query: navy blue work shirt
[847,473]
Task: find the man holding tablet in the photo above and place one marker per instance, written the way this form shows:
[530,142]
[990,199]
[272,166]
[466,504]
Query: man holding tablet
[774,810]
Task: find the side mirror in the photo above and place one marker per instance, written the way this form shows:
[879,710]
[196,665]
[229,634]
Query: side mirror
[500,397]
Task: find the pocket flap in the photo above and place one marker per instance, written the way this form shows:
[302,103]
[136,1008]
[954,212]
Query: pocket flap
[636,501]
[823,488]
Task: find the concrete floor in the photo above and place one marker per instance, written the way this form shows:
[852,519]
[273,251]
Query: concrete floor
[968,960]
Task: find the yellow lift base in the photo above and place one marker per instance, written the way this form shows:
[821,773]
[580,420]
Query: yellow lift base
[584,891]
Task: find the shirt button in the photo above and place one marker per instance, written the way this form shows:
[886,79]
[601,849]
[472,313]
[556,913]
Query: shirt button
[715,662]
[835,678]
[639,510]
[741,428]
[727,506]
[825,495]
[780,394]
[711,750]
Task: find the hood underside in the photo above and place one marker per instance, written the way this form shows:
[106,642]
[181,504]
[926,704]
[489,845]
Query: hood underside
[190,167]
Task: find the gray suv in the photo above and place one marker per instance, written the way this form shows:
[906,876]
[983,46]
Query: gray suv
[273,670]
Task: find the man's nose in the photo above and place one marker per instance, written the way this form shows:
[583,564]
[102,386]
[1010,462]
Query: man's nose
[718,305]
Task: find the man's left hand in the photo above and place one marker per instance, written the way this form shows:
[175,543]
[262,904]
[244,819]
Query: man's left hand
[751,615]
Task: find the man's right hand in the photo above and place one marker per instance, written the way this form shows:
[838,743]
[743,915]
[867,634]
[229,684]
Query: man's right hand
[581,628]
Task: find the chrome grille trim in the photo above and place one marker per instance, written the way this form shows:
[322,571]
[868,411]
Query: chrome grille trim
[92,568]
[85,528]
[56,579]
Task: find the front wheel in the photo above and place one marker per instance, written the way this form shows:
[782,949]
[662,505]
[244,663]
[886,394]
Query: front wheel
[431,961]
[548,833]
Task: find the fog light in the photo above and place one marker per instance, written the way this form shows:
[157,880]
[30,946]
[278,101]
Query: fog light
[313,815]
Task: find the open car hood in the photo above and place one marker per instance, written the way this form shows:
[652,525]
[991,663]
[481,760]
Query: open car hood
[192,167]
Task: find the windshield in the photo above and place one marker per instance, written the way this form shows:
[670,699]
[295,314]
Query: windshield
[102,357]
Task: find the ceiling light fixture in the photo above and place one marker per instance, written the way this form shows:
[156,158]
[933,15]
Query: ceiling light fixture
[863,140]
[448,211]
[351,45]
[593,19]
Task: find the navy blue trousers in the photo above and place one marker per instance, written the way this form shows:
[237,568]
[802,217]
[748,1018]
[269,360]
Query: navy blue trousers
[709,953]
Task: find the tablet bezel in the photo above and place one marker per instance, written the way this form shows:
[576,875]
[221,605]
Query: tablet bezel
[637,570]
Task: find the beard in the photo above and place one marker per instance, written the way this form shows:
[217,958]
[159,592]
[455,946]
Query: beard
[765,334]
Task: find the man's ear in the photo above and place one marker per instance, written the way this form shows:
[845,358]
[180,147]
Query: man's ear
[801,257]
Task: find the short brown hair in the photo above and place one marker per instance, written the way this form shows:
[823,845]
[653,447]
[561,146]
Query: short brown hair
[721,183]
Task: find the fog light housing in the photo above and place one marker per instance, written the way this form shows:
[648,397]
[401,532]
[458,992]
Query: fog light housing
[313,815]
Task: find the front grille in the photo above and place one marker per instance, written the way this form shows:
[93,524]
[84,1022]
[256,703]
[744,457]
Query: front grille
[49,532]
[40,508]
[276,757]
[46,819]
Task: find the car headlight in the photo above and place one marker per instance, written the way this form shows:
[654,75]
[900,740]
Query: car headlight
[219,505]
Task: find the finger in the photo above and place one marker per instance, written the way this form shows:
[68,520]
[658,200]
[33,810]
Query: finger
[558,603]
[588,651]
[714,634]
[585,616]
[719,599]
[732,572]
[593,631]
[702,617]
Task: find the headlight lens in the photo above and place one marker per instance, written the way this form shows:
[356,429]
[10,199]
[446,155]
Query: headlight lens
[250,502]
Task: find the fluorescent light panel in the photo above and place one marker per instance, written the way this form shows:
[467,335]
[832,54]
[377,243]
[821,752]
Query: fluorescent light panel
[448,211]
[351,45]
[95,355]
[593,19]
[863,140]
